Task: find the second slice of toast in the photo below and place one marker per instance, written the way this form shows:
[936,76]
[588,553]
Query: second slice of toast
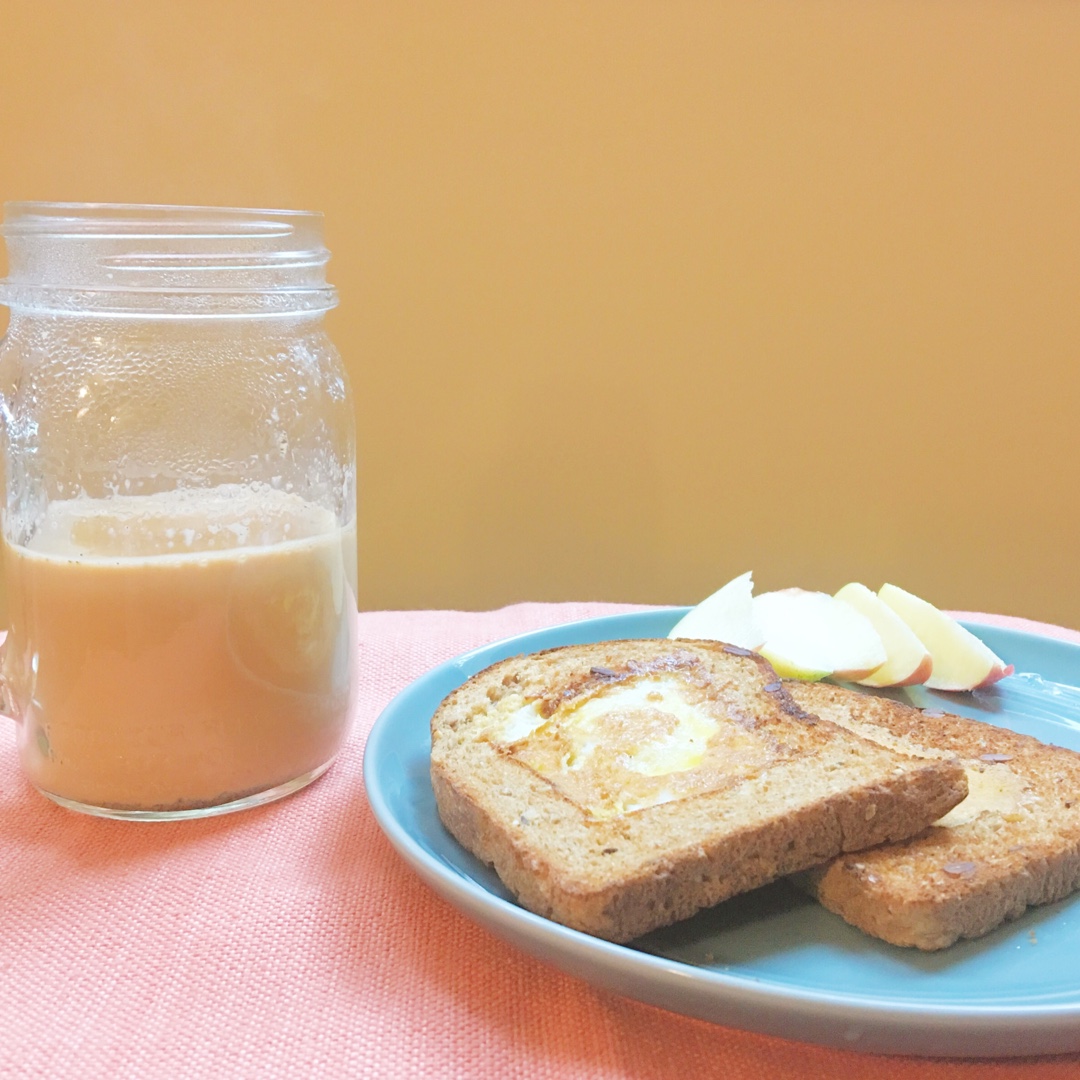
[621,786]
[1014,842]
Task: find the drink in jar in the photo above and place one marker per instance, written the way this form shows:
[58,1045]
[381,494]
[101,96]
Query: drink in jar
[181,650]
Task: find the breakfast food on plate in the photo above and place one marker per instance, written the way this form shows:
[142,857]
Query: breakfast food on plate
[1014,842]
[809,635]
[727,616]
[889,638]
[960,660]
[621,786]
[908,661]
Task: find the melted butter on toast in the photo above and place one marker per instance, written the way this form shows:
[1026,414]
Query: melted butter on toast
[639,742]
[992,789]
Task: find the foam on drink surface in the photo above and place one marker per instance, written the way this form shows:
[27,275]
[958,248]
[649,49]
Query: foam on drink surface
[185,522]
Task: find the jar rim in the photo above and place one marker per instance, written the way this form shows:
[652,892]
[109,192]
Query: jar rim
[139,219]
[127,257]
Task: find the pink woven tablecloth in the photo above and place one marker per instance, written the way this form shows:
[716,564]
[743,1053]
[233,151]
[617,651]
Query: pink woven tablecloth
[292,941]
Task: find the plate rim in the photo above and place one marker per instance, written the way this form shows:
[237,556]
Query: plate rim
[858,1021]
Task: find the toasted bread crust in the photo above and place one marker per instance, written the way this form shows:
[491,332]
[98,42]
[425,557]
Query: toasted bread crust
[964,880]
[824,791]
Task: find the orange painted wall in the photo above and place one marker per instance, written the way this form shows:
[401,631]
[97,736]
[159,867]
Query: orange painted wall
[636,295]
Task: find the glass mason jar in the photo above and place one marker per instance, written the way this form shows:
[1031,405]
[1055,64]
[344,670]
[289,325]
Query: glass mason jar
[179,494]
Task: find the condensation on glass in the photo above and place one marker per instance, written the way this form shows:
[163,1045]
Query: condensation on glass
[179,507]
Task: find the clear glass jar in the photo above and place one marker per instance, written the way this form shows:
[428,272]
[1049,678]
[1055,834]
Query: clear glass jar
[179,507]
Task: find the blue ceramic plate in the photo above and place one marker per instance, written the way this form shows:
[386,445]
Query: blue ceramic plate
[773,961]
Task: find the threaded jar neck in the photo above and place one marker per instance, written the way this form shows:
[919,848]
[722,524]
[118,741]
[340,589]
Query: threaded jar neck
[164,261]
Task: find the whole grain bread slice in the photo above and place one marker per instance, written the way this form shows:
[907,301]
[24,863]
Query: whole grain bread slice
[621,786]
[1013,843]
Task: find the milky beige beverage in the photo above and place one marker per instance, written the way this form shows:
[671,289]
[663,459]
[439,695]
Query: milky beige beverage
[181,650]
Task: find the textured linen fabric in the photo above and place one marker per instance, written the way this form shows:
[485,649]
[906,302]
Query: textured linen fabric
[292,941]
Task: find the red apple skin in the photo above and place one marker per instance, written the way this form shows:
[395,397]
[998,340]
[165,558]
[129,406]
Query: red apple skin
[996,674]
[920,674]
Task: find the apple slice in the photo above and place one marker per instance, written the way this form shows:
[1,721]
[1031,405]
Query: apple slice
[809,635]
[909,661]
[727,615]
[961,660]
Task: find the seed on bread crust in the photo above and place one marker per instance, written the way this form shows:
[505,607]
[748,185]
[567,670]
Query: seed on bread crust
[960,869]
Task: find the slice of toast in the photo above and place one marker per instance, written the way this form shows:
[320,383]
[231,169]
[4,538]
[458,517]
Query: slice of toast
[621,786]
[1014,842]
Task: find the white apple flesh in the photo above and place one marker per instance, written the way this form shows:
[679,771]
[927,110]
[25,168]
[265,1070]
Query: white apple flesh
[961,660]
[809,635]
[909,661]
[727,615]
